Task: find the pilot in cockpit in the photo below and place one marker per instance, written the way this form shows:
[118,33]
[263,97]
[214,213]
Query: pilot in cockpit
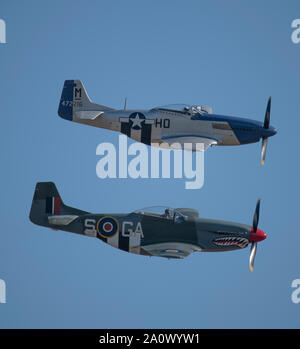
[186,110]
[167,214]
[194,109]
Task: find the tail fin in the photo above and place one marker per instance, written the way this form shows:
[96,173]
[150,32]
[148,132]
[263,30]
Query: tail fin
[76,104]
[47,205]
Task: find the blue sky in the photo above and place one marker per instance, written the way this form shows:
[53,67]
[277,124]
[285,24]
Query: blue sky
[230,55]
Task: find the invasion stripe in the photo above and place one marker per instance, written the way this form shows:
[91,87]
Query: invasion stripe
[123,242]
[125,128]
[146,134]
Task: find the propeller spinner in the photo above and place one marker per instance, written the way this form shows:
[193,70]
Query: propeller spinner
[268,131]
[256,235]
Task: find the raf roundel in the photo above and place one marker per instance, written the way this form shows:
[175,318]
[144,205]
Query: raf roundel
[107,227]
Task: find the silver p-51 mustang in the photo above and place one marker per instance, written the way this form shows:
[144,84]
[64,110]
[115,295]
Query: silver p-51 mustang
[174,126]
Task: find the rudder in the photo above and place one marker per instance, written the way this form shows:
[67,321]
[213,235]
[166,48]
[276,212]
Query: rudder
[65,109]
[46,201]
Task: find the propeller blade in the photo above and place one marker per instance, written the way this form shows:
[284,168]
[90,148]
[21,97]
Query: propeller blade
[256,216]
[252,255]
[263,149]
[267,115]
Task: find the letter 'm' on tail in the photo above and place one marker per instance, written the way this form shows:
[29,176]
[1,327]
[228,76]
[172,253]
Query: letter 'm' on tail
[76,105]
[48,209]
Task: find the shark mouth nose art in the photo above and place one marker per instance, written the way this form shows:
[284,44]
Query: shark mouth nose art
[232,241]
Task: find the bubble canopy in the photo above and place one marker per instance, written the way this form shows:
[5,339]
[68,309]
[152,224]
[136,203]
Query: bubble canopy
[157,210]
[163,212]
[185,109]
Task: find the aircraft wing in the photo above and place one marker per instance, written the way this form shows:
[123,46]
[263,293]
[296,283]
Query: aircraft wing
[170,249]
[178,141]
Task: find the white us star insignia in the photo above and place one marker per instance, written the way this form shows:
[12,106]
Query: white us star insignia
[136,121]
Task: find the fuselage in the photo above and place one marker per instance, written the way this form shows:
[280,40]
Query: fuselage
[155,231]
[157,235]
[155,125]
[174,126]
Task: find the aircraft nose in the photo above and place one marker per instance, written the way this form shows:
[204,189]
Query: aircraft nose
[272,131]
[269,132]
[259,235]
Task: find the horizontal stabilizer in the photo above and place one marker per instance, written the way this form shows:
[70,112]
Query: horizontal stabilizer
[88,114]
[61,220]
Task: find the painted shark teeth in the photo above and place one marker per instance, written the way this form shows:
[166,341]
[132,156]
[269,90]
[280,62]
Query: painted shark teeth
[232,241]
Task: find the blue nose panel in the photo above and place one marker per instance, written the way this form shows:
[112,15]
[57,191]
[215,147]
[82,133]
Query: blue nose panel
[268,132]
[246,132]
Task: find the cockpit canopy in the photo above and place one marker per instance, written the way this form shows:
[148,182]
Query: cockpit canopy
[176,214]
[186,109]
